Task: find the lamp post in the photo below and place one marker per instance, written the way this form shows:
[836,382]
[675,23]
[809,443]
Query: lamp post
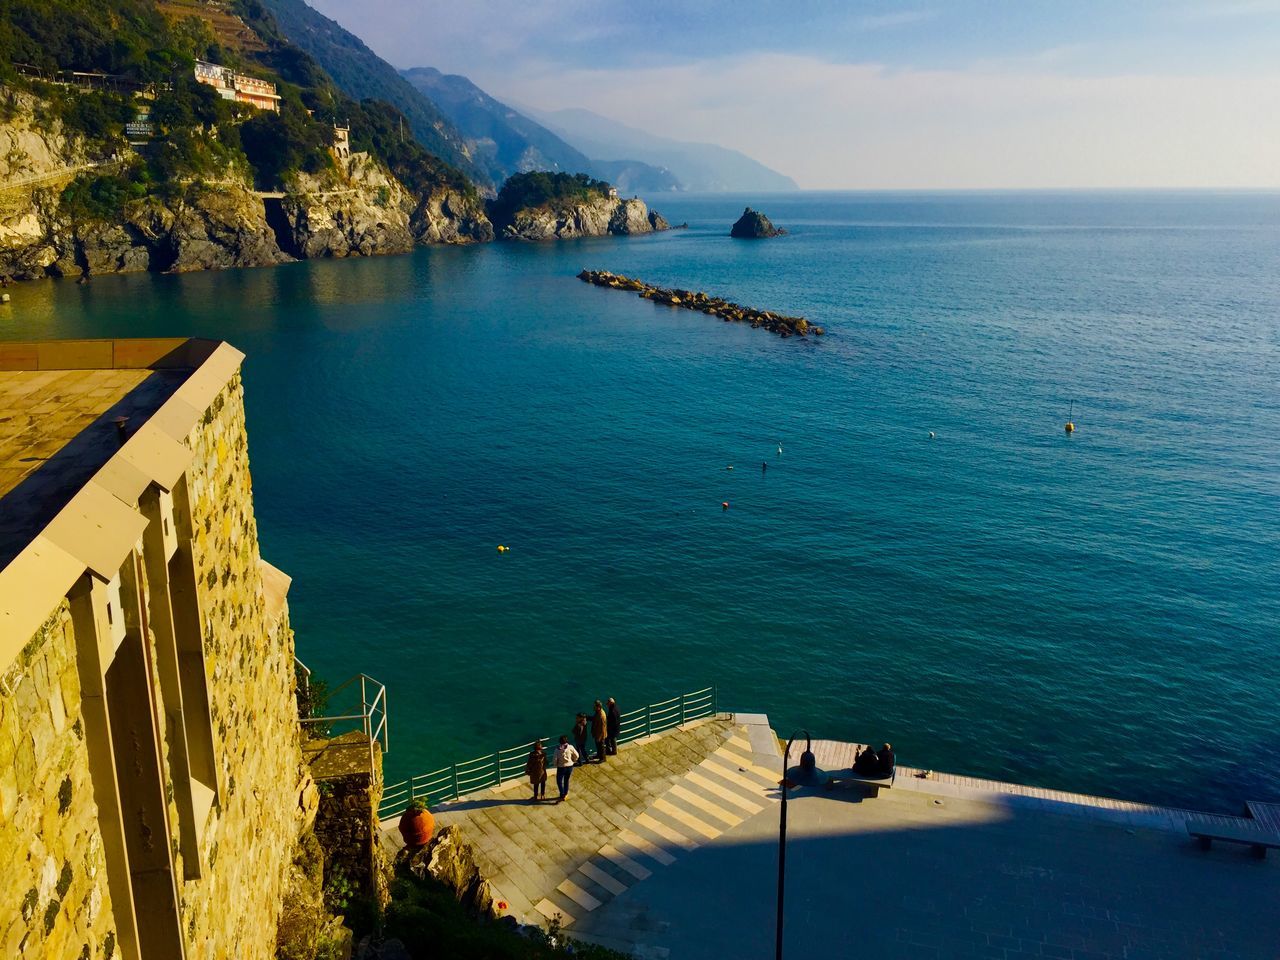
[807,765]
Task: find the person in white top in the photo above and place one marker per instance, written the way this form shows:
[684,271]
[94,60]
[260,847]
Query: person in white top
[566,757]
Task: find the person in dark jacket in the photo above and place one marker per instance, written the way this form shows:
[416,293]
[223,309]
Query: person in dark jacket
[535,768]
[866,763]
[580,738]
[599,731]
[614,717]
[885,760]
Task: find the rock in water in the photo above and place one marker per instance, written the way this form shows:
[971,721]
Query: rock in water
[754,225]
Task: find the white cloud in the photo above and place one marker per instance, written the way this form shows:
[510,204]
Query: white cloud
[864,126]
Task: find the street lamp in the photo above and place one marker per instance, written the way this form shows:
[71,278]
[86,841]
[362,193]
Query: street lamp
[807,770]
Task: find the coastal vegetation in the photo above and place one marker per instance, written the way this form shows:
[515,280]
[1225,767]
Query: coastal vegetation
[726,310]
[119,158]
[551,190]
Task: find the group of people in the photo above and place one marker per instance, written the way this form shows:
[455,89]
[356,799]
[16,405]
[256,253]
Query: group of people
[604,724]
[874,763]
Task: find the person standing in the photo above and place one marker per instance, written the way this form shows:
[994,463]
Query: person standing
[535,768]
[566,758]
[580,736]
[614,718]
[599,731]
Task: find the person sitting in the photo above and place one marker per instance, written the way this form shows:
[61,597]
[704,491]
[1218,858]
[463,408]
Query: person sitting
[866,763]
[885,760]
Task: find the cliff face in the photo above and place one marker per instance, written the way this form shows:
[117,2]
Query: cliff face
[358,211]
[596,218]
[193,228]
[446,216]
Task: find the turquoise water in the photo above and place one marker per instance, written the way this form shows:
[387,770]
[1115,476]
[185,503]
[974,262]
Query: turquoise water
[1097,612]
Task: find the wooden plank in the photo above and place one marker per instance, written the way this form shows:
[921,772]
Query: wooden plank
[1267,814]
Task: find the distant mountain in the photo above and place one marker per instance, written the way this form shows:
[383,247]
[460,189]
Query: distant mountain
[502,139]
[701,167]
[506,142]
[362,74]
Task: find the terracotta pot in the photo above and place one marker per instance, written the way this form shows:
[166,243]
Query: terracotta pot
[416,826]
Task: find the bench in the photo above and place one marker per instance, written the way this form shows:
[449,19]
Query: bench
[875,782]
[1258,840]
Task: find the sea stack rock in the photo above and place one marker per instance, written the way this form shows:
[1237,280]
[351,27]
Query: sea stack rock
[753,225]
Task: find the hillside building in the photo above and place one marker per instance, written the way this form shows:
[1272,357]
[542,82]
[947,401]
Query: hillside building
[237,86]
[152,787]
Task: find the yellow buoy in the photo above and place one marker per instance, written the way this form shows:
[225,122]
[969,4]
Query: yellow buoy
[502,549]
[1071,427]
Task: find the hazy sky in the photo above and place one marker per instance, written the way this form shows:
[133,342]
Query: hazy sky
[1077,93]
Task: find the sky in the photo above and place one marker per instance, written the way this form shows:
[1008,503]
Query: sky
[969,94]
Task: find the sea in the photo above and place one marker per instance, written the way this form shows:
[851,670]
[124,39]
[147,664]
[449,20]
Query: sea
[914,549]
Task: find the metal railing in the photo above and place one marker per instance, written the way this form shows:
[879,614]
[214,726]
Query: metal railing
[370,716]
[493,769]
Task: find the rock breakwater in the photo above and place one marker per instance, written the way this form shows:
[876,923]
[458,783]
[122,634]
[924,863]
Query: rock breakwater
[726,310]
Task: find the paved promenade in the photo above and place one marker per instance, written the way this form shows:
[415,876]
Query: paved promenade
[670,850]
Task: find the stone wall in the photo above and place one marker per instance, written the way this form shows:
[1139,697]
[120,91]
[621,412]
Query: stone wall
[53,887]
[231,912]
[54,897]
[346,822]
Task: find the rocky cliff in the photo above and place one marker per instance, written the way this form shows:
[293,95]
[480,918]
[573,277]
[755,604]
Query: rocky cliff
[358,208]
[593,218]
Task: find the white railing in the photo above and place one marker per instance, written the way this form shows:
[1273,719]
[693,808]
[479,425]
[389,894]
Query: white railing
[370,716]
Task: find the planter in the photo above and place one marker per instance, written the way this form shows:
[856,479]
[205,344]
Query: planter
[416,827]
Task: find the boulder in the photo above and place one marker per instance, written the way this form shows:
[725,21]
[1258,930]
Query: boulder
[450,860]
[754,225]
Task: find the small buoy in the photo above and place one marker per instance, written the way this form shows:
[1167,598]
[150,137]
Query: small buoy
[932,435]
[724,505]
[729,467]
[1071,427]
[502,549]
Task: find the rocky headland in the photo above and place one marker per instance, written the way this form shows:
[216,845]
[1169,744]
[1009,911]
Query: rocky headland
[726,310]
[63,211]
[754,225]
[601,217]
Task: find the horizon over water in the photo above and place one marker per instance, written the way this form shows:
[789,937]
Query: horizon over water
[1096,612]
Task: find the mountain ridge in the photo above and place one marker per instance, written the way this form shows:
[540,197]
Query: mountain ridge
[701,167]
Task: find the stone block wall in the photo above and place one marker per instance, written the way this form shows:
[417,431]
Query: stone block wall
[54,897]
[230,913]
[54,900]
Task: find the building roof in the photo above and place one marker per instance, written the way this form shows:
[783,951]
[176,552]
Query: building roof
[69,482]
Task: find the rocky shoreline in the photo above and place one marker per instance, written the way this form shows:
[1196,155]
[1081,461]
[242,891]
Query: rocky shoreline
[358,207]
[728,311]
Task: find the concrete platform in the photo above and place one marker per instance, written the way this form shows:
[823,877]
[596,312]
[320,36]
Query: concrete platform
[673,853]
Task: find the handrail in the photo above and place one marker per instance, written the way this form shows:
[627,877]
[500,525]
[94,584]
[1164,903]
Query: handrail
[500,766]
[372,712]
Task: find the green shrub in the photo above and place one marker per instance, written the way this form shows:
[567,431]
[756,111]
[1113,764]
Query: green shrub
[543,188]
[428,919]
[99,197]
